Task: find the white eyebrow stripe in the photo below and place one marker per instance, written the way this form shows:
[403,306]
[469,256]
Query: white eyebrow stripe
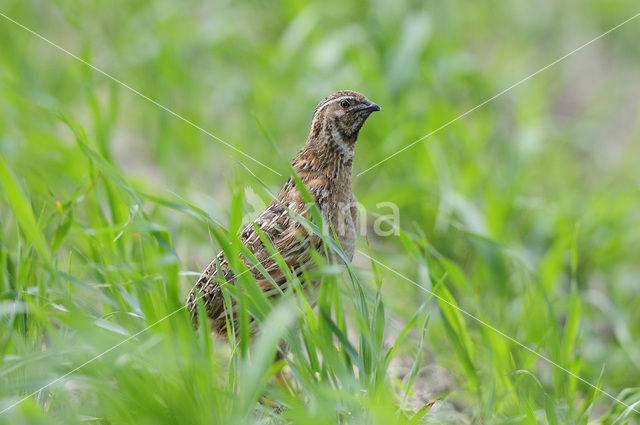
[333,101]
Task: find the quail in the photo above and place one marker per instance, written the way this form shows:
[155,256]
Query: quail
[324,165]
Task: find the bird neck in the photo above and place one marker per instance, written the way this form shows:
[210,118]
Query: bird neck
[327,154]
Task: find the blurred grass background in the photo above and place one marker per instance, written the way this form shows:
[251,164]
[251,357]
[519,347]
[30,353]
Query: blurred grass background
[524,213]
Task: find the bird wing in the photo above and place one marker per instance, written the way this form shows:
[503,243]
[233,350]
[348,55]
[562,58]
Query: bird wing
[289,237]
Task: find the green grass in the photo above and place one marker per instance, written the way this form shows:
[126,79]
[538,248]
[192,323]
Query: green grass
[523,214]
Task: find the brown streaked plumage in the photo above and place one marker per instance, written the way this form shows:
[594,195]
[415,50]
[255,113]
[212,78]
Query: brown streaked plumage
[324,165]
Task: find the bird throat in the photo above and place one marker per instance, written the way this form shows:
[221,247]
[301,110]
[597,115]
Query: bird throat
[337,141]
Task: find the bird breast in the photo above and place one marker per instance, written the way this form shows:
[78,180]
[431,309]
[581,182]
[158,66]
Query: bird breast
[341,211]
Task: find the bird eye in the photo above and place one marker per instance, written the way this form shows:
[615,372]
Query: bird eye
[344,104]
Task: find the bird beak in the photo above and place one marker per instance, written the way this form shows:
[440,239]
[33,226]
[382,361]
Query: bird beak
[369,106]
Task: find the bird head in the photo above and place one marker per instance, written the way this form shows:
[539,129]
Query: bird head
[338,118]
